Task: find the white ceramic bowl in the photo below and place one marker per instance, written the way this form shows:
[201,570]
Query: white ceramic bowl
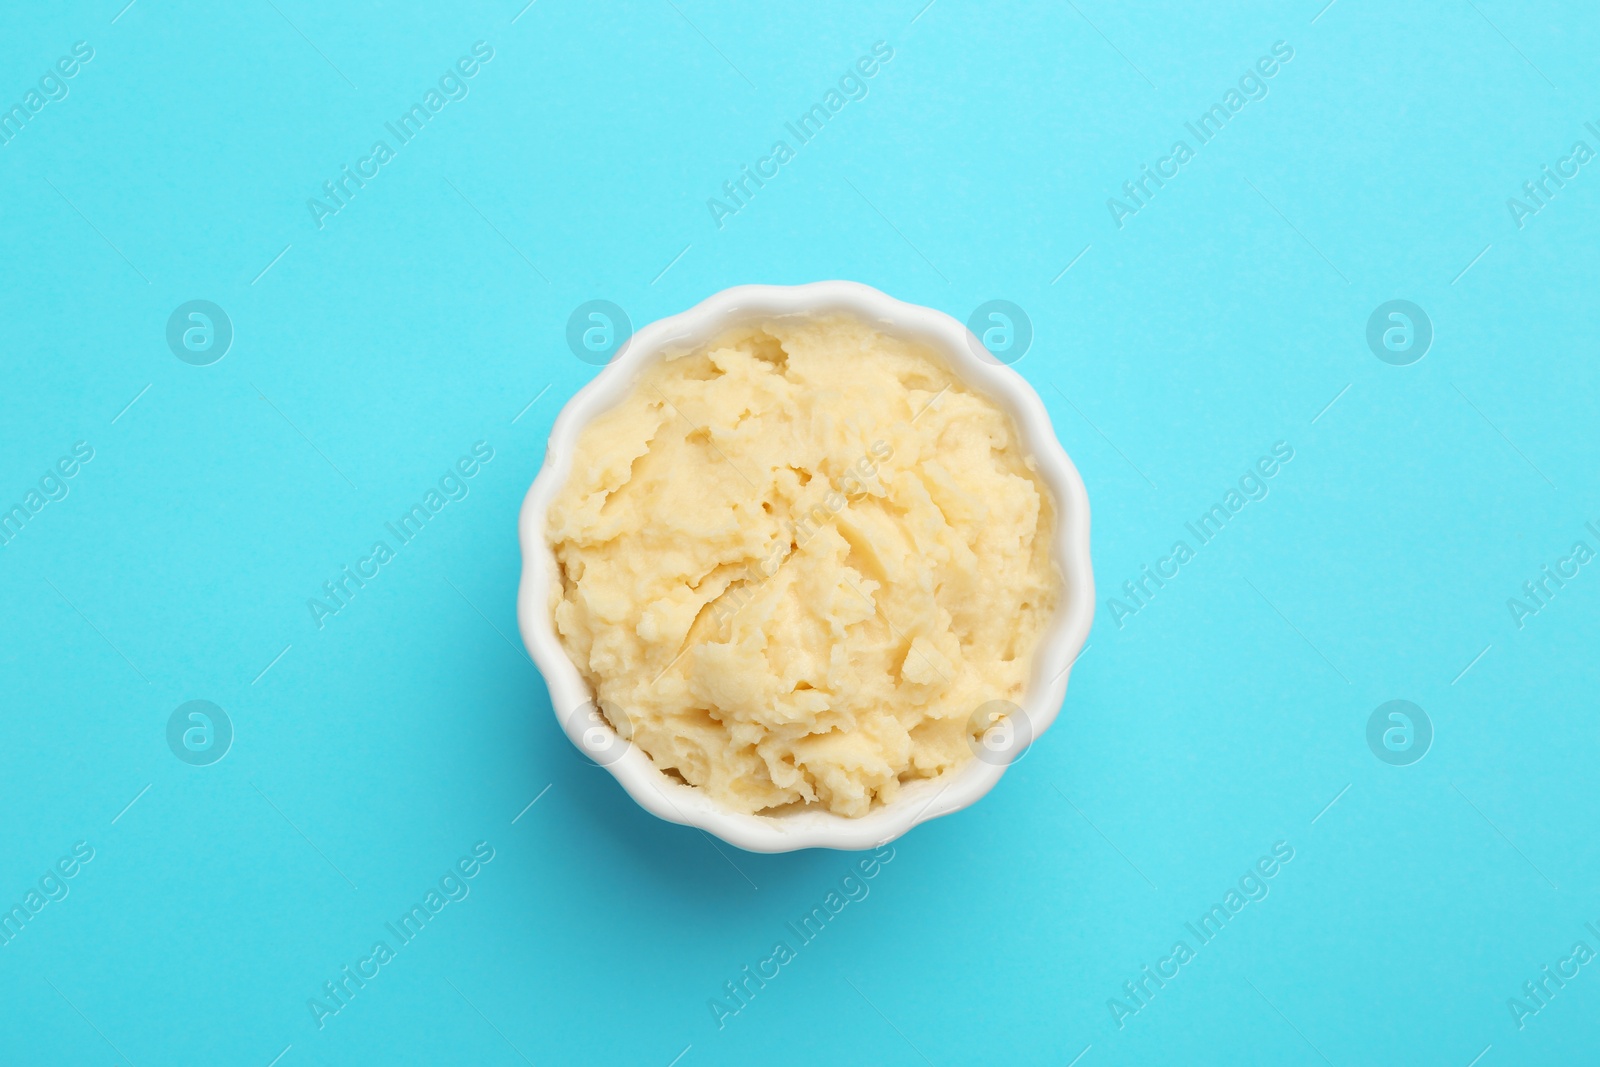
[920,801]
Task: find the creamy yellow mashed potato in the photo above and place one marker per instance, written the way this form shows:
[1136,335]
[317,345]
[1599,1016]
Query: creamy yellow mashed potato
[794,563]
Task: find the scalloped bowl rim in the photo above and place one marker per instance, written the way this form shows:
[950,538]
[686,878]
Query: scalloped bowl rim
[919,801]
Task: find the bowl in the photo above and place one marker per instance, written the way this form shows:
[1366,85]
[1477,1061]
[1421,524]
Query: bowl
[917,802]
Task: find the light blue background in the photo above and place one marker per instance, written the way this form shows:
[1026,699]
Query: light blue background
[1223,717]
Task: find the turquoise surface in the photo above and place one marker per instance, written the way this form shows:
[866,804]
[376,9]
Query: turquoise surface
[1352,881]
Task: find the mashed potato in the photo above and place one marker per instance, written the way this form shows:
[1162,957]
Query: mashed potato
[795,561]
